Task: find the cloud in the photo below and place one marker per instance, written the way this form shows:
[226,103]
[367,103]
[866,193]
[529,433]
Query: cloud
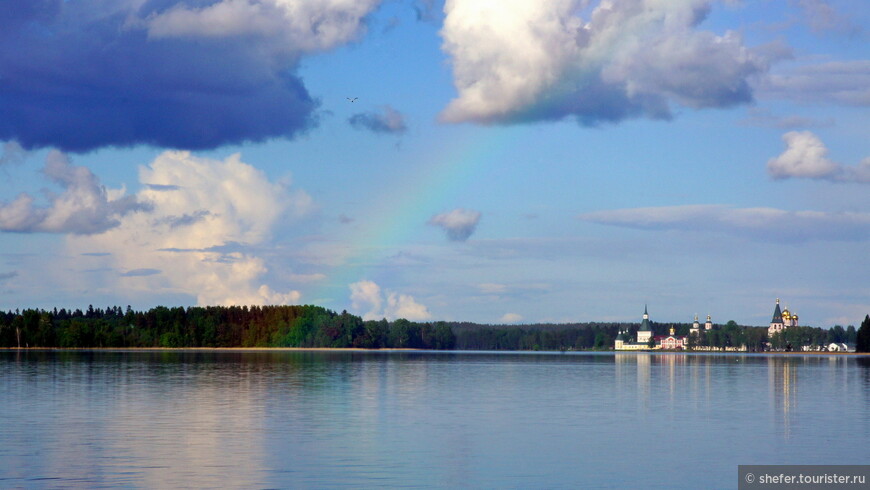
[390,121]
[367,296]
[306,277]
[763,224]
[511,318]
[492,288]
[520,61]
[838,82]
[459,224]
[764,118]
[12,153]
[806,156]
[822,17]
[167,73]
[85,206]
[187,218]
[140,273]
[157,187]
[294,25]
[345,219]
[8,275]
[176,246]
[426,10]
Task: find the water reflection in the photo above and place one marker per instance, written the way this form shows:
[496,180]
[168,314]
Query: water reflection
[327,419]
[782,379]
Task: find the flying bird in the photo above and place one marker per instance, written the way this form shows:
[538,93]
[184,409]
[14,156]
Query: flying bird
[353,99]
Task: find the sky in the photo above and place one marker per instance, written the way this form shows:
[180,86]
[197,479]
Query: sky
[468,160]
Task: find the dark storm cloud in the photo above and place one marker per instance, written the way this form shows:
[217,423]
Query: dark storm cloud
[86,74]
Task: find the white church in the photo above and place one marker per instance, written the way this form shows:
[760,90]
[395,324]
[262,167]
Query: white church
[781,320]
[645,333]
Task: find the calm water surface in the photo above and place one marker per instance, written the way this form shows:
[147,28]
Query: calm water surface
[305,419]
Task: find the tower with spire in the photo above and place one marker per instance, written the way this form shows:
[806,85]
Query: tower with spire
[696,327]
[709,324]
[781,320]
[644,332]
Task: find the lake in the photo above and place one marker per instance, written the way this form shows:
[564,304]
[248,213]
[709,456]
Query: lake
[327,419]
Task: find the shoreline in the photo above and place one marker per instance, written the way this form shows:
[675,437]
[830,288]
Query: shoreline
[218,349]
[360,349]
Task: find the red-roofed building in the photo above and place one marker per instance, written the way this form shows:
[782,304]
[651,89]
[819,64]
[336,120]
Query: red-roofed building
[671,342]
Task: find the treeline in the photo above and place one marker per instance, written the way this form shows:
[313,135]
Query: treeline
[795,338]
[601,336]
[548,337]
[314,326]
[585,336]
[756,339]
[215,326]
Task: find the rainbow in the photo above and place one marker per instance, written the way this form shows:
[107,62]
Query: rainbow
[408,203]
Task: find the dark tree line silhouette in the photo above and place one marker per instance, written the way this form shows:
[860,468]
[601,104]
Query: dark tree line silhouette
[315,326]
[215,326]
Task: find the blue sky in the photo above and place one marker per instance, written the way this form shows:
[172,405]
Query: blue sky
[503,162]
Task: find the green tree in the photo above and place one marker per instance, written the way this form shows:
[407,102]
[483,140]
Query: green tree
[601,341]
[837,334]
[862,342]
[444,337]
[756,338]
[400,335]
[851,335]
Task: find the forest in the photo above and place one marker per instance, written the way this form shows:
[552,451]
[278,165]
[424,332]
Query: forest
[315,326]
[216,326]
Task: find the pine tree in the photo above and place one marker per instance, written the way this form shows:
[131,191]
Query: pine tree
[863,341]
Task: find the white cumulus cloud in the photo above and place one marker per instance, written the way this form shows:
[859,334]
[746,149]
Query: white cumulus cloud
[806,156]
[458,224]
[367,297]
[203,215]
[300,25]
[517,60]
[85,206]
